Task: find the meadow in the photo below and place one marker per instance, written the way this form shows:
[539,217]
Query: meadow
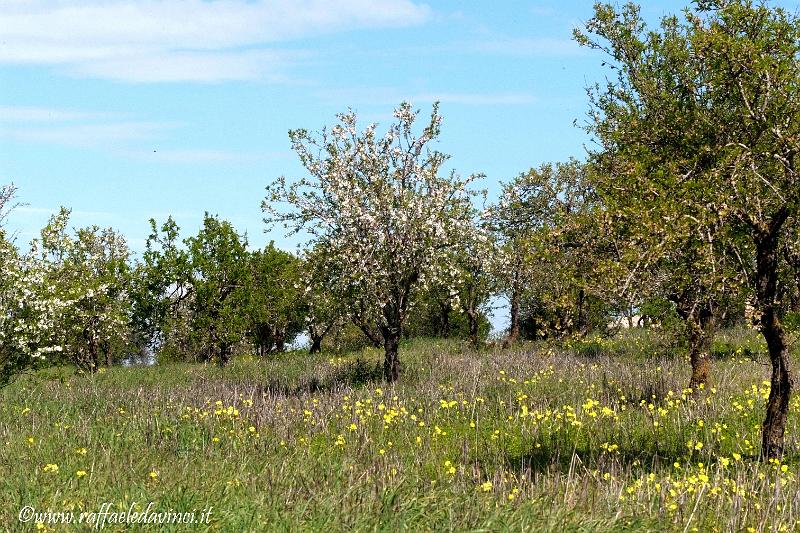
[593,435]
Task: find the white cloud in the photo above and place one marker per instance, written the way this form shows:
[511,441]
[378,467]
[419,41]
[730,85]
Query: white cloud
[181,40]
[25,210]
[501,98]
[115,133]
[106,135]
[543,11]
[188,66]
[77,128]
[391,96]
[28,210]
[41,114]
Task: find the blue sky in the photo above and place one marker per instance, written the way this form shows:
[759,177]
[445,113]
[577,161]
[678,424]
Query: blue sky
[124,110]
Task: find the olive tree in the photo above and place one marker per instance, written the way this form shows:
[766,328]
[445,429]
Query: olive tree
[162,292]
[547,223]
[381,208]
[275,308]
[219,276]
[702,119]
[326,309]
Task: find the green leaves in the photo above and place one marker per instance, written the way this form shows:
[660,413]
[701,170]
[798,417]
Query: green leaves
[701,129]
[276,308]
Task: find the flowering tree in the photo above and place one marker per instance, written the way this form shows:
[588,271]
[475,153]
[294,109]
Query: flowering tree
[30,308]
[381,210]
[87,278]
[29,312]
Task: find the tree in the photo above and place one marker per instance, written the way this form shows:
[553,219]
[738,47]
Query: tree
[8,193]
[380,209]
[547,221]
[474,264]
[702,119]
[162,291]
[325,308]
[218,262]
[275,307]
[196,298]
[87,275]
[513,227]
[30,319]
[29,311]
[689,274]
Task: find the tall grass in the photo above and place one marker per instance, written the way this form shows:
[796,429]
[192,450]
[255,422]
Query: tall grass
[540,437]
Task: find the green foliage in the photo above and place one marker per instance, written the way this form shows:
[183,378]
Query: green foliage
[698,134]
[276,310]
[548,222]
[219,275]
[161,289]
[435,316]
[792,322]
[205,299]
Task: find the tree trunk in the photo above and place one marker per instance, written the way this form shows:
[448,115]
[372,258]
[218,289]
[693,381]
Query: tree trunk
[317,334]
[472,317]
[582,323]
[772,430]
[106,348]
[513,330]
[391,362]
[93,362]
[774,426]
[280,340]
[392,330]
[701,334]
[445,309]
[316,344]
[224,354]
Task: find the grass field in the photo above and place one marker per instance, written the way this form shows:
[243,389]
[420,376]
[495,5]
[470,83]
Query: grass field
[593,436]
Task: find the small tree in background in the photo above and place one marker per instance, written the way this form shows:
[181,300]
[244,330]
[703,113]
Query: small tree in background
[162,291]
[88,275]
[380,209]
[547,222]
[29,310]
[275,303]
[219,277]
[474,265]
[325,309]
